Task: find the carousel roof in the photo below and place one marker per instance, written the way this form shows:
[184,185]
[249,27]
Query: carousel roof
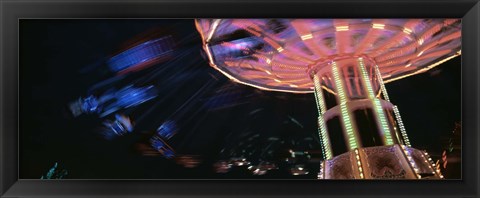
[277,54]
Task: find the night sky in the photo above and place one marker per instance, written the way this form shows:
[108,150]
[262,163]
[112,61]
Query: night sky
[61,59]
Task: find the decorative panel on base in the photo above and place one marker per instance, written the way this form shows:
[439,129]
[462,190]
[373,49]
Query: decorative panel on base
[380,162]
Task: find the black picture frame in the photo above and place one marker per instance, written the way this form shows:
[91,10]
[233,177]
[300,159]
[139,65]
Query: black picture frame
[11,11]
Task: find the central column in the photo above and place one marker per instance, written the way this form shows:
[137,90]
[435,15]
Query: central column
[361,132]
[353,112]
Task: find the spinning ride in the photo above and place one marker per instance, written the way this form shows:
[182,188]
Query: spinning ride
[345,63]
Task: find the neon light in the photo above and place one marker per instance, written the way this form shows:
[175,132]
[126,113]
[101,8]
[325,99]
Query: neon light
[420,41]
[359,163]
[321,172]
[318,90]
[378,26]
[395,109]
[382,85]
[352,141]
[419,54]
[400,124]
[144,52]
[377,105]
[306,37]
[407,30]
[305,32]
[215,24]
[426,68]
[410,160]
[320,119]
[425,156]
[317,98]
[324,138]
[341,28]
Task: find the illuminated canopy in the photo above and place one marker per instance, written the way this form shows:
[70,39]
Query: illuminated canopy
[279,54]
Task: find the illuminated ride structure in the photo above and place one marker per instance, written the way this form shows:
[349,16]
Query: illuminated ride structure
[345,63]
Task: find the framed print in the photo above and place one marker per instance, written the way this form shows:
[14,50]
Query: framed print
[239,99]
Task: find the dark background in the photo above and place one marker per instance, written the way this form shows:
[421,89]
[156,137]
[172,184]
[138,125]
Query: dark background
[53,51]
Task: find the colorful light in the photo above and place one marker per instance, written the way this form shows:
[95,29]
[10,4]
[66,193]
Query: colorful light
[346,118]
[325,139]
[377,105]
[296,53]
[142,53]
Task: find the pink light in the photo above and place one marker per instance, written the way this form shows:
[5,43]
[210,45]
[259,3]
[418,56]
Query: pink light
[292,48]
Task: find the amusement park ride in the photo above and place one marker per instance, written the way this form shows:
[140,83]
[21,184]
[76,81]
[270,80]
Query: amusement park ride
[345,63]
